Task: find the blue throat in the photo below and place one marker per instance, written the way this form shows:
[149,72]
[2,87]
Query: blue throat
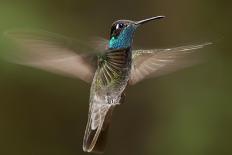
[124,40]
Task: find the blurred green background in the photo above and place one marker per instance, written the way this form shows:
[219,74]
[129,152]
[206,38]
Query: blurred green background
[187,112]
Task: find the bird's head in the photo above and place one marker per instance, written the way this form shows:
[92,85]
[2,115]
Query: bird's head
[122,31]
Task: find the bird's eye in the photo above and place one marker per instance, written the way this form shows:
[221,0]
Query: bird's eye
[120,26]
[116,29]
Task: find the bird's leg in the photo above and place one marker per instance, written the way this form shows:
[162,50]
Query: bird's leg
[123,96]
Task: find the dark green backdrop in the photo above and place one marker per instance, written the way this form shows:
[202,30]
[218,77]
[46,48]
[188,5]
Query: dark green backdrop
[187,112]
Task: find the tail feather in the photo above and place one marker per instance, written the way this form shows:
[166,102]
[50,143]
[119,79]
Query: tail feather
[95,138]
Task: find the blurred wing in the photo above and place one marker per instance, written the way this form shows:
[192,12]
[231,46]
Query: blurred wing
[97,127]
[98,43]
[53,53]
[156,62]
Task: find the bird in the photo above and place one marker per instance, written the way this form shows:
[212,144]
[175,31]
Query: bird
[109,66]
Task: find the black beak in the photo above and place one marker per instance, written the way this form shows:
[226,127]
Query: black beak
[147,20]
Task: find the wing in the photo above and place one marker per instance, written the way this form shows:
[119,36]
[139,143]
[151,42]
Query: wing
[53,53]
[97,127]
[99,43]
[156,62]
[114,66]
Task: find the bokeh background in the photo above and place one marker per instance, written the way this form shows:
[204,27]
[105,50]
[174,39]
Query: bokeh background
[186,112]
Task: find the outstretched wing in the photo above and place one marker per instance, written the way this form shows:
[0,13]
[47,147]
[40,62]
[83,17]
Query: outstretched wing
[97,127]
[53,53]
[156,62]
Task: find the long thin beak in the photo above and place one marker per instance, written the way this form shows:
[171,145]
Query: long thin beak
[147,20]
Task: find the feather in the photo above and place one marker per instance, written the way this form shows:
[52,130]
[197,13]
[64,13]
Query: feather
[156,62]
[54,53]
[97,127]
[112,64]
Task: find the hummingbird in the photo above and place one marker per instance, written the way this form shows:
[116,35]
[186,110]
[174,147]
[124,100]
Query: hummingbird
[110,66]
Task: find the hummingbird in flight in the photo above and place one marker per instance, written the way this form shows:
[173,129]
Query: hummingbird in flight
[110,66]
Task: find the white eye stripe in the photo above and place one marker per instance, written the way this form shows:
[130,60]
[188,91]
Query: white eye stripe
[117,26]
